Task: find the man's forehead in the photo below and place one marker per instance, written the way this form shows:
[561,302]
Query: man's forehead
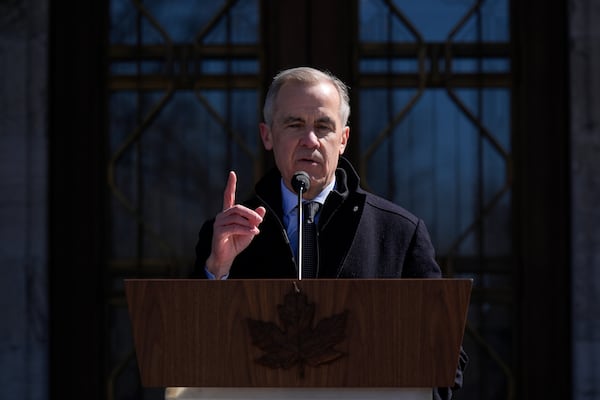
[300,116]
[324,103]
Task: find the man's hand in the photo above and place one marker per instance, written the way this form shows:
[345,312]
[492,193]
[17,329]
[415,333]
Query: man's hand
[234,229]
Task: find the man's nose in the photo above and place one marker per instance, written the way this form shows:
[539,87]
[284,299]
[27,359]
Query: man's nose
[309,138]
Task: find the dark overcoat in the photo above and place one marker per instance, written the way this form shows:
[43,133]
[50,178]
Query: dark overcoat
[361,235]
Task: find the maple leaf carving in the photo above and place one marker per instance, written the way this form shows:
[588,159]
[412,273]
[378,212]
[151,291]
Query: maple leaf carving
[298,342]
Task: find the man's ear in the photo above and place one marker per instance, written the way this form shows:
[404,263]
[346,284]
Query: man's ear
[344,139]
[265,135]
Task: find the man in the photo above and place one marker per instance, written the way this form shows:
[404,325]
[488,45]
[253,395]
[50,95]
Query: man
[360,235]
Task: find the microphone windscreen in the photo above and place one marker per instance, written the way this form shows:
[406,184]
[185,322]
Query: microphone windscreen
[300,181]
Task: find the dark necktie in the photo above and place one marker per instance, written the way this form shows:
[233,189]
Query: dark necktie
[310,250]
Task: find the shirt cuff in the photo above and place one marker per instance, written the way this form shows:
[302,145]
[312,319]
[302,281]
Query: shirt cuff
[210,275]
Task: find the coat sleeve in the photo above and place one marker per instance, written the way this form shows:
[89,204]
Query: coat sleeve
[420,258]
[446,393]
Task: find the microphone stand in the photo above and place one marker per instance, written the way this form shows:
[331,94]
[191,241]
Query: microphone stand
[300,184]
[300,232]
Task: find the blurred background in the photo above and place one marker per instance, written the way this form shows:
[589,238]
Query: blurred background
[120,119]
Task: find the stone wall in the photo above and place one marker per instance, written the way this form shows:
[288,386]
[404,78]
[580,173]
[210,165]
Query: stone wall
[585,174]
[23,199]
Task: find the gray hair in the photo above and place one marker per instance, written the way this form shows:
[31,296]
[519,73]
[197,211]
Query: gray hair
[309,76]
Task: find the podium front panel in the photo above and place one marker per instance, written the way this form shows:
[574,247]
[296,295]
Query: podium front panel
[287,333]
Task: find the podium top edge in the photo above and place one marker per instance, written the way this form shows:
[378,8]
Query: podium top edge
[297,280]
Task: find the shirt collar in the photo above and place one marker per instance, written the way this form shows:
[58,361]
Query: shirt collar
[290,199]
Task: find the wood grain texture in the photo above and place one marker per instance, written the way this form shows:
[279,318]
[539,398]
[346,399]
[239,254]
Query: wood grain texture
[399,332]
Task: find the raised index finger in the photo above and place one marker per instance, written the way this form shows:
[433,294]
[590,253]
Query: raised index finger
[229,194]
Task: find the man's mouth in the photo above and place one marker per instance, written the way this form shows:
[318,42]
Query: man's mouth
[307,161]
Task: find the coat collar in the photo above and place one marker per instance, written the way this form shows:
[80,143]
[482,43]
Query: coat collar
[268,187]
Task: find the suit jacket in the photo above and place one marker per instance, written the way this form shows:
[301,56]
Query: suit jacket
[360,235]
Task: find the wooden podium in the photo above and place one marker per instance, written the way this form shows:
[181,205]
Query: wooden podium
[372,336]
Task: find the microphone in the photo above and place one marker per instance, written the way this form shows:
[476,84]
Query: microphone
[300,183]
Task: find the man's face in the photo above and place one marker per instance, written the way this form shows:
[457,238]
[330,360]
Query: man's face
[306,133]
